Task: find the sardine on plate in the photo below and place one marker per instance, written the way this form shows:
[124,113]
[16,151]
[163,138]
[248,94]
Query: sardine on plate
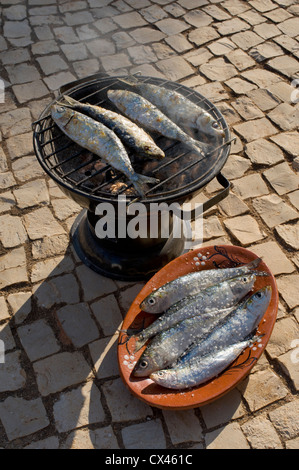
[162,298]
[210,301]
[99,140]
[184,112]
[238,325]
[150,117]
[201,370]
[128,132]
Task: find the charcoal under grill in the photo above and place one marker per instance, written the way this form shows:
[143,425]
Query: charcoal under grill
[89,181]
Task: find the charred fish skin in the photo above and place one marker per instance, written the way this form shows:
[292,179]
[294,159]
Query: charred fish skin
[178,108]
[238,325]
[199,372]
[209,302]
[99,140]
[150,117]
[190,284]
[128,132]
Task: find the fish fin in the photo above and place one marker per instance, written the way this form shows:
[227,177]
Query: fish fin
[139,343]
[140,180]
[260,273]
[255,263]
[68,101]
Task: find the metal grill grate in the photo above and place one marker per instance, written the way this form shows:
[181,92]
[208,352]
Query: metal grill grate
[180,172]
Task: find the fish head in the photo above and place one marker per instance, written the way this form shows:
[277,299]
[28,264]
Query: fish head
[157,301]
[61,114]
[241,285]
[162,377]
[209,125]
[145,365]
[260,300]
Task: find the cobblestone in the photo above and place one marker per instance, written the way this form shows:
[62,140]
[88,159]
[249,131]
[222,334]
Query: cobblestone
[60,385]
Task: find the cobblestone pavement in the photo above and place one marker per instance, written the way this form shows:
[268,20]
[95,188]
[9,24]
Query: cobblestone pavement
[59,385]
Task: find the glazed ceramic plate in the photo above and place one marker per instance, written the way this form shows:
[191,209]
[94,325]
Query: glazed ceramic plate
[212,257]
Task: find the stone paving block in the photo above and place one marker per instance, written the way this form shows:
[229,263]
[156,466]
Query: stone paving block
[3,161]
[12,375]
[104,356]
[7,201]
[78,324]
[57,290]
[101,47]
[86,67]
[262,388]
[20,303]
[102,438]
[41,223]
[19,145]
[284,333]
[142,54]
[183,426]
[54,82]
[203,35]
[189,4]
[82,17]
[153,13]
[179,43]
[286,419]
[22,73]
[122,404]
[43,33]
[265,51]
[130,20]
[247,109]
[7,180]
[52,64]
[26,168]
[66,34]
[51,267]
[244,228]
[30,91]
[252,17]
[22,417]
[233,205]
[289,364]
[135,436]
[274,257]
[288,141]
[32,193]
[94,285]
[48,443]
[294,198]
[62,370]
[286,65]
[274,210]
[288,290]
[17,121]
[72,52]
[198,57]
[146,35]
[175,68]
[260,77]
[222,46]
[4,314]
[261,434]
[282,178]
[252,130]
[223,410]
[250,186]
[115,62]
[290,27]
[228,437]
[108,314]
[16,29]
[235,7]
[13,268]
[79,407]
[12,232]
[64,208]
[263,98]
[218,68]
[232,26]
[240,86]
[50,246]
[282,90]
[288,43]
[44,47]
[213,91]
[263,5]
[216,12]
[38,339]
[289,234]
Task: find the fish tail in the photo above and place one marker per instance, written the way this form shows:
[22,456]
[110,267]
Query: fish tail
[139,181]
[255,263]
[139,342]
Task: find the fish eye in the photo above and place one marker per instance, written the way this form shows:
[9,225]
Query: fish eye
[160,373]
[259,294]
[152,301]
[60,109]
[143,364]
[215,125]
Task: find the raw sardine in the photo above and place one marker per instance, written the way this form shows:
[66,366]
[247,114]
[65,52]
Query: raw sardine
[169,345]
[99,140]
[150,117]
[184,112]
[171,292]
[128,132]
[202,370]
[238,325]
[212,301]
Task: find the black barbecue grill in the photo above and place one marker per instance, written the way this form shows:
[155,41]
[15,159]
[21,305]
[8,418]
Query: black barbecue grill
[89,181]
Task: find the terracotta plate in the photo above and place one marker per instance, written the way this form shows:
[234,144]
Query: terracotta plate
[212,257]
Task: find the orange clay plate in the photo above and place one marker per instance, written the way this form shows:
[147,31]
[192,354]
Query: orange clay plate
[212,257]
